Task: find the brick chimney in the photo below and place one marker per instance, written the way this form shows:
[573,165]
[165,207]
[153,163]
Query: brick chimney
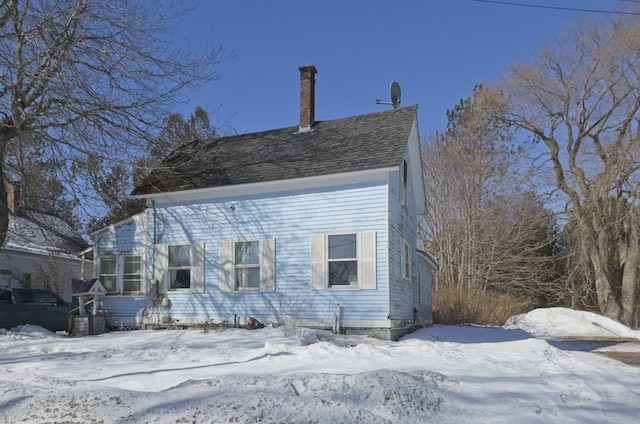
[307,97]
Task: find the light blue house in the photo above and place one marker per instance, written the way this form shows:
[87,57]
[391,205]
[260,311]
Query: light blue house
[312,225]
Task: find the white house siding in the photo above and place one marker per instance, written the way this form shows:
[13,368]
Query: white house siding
[125,236]
[403,294]
[130,235]
[290,218]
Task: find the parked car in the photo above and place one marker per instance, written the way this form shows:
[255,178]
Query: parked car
[39,307]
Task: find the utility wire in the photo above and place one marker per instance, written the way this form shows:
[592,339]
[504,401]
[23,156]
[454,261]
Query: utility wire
[538,6]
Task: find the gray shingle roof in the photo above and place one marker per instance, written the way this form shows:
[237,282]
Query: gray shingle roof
[363,142]
[42,233]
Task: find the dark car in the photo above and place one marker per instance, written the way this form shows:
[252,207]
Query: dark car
[33,306]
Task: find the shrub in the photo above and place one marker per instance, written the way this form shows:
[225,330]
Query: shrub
[457,305]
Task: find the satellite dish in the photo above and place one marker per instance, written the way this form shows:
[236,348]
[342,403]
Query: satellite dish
[395,94]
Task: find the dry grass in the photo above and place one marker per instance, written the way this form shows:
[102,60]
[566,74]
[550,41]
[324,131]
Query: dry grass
[453,305]
[629,358]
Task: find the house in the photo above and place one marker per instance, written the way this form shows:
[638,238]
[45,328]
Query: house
[311,225]
[41,250]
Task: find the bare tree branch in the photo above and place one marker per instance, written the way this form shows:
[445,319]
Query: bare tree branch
[593,88]
[91,79]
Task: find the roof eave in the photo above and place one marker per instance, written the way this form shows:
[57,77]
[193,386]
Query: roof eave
[331,180]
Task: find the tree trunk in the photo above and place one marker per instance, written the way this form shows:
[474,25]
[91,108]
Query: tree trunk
[607,303]
[629,262]
[4,207]
[598,247]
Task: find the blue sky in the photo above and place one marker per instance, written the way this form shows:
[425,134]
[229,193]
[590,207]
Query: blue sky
[437,50]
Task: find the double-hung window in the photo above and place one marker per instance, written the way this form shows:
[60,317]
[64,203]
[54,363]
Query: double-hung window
[179,257]
[121,272]
[132,278]
[247,265]
[108,274]
[343,260]
[179,267]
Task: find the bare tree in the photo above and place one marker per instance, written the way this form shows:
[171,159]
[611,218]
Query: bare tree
[580,97]
[36,181]
[90,79]
[115,183]
[485,228]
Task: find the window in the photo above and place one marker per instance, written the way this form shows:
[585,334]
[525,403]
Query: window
[247,265]
[179,267]
[121,273]
[43,296]
[132,274]
[404,184]
[108,274]
[343,260]
[405,261]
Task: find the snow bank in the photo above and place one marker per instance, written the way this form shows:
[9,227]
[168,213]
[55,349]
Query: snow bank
[564,322]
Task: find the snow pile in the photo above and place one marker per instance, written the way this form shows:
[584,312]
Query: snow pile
[441,374]
[563,322]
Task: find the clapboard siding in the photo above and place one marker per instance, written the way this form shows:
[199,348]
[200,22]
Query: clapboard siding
[125,312]
[290,218]
[402,224]
[128,235]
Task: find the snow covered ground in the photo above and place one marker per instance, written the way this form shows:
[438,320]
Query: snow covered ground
[524,372]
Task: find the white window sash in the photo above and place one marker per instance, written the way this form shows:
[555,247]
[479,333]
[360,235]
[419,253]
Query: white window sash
[162,271]
[365,257]
[266,265]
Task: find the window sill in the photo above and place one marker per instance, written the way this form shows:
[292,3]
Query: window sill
[178,291]
[344,288]
[256,290]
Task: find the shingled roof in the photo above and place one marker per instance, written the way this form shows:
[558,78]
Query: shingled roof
[357,143]
[41,233]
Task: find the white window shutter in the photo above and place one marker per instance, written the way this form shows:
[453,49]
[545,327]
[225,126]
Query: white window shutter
[226,266]
[367,260]
[197,268]
[267,265]
[318,262]
[160,265]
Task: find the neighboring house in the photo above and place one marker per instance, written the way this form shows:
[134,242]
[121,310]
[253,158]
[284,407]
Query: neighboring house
[41,250]
[312,225]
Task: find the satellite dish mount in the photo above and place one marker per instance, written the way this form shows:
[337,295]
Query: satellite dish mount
[395,96]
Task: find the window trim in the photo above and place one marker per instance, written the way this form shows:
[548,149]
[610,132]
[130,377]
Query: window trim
[237,266]
[111,257]
[126,255]
[179,268]
[405,259]
[366,253]
[119,258]
[345,259]
[267,261]
[161,270]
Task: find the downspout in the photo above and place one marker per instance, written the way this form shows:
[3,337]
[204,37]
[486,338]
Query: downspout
[153,206]
[155,237]
[337,318]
